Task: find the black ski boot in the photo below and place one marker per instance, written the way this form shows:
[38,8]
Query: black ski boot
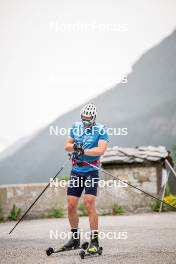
[72,243]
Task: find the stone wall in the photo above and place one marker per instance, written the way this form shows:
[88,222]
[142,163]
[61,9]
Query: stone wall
[109,193]
[22,195]
[145,176]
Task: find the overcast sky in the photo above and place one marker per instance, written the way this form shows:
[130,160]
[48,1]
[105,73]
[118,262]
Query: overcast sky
[54,55]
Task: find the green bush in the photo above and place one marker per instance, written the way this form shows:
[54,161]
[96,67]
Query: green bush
[82,209]
[117,209]
[56,213]
[15,213]
[155,206]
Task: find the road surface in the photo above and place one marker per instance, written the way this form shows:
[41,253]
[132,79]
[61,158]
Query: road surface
[143,238]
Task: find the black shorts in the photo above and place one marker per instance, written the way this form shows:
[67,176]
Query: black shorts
[80,181]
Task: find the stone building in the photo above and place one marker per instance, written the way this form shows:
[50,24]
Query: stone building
[141,167]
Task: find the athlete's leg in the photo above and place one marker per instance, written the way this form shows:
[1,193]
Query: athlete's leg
[91,185]
[89,201]
[72,204]
[74,191]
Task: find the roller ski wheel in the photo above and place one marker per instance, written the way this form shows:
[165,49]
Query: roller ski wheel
[49,251]
[82,253]
[100,250]
[72,244]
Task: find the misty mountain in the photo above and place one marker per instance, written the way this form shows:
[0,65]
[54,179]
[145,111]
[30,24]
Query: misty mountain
[16,146]
[145,106]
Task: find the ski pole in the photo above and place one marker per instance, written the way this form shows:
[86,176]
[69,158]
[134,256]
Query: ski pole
[39,196]
[117,178]
[70,157]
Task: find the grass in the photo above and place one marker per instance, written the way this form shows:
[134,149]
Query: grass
[117,209]
[15,213]
[155,206]
[56,213]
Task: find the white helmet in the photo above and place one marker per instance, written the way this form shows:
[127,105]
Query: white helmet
[89,110]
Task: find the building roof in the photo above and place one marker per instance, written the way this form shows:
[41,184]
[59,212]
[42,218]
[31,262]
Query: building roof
[141,154]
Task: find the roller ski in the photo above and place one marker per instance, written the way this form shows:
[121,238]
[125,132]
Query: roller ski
[90,249]
[72,244]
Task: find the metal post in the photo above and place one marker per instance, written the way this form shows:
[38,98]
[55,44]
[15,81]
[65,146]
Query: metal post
[170,167]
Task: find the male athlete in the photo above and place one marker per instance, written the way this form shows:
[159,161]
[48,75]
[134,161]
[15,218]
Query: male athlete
[87,141]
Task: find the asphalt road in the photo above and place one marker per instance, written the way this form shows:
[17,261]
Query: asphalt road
[144,239]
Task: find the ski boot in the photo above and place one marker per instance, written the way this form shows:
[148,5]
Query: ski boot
[72,244]
[93,247]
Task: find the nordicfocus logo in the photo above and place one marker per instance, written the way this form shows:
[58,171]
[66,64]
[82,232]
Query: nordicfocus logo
[89,182]
[92,26]
[108,234]
[57,131]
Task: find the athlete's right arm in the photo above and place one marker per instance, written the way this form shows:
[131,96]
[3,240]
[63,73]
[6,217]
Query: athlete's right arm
[69,144]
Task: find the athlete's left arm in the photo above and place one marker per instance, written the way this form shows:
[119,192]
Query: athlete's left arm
[97,151]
